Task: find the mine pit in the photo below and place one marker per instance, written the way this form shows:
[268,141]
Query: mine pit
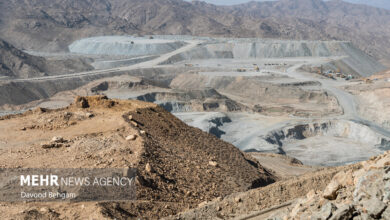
[329,143]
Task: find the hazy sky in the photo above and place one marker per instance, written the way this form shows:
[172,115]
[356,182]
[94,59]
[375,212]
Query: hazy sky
[377,3]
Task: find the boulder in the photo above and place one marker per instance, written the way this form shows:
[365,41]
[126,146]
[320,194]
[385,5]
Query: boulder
[374,207]
[204,203]
[131,137]
[51,145]
[58,140]
[386,213]
[134,123]
[213,163]
[325,212]
[148,168]
[341,179]
[331,190]
[81,102]
[344,212]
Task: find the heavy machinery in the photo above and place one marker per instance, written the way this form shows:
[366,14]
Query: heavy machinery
[330,75]
[367,80]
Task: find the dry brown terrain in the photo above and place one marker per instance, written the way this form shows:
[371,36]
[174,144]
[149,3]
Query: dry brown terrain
[358,191]
[218,125]
[253,202]
[282,166]
[178,166]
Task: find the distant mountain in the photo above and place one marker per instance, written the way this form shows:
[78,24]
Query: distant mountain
[375,3]
[53,24]
[367,27]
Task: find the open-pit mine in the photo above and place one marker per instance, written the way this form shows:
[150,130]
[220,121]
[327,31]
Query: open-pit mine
[293,106]
[211,110]
[274,96]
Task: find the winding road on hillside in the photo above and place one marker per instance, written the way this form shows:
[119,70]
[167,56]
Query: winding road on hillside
[147,64]
[346,100]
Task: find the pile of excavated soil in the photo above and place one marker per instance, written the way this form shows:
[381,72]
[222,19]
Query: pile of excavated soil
[178,166]
[124,45]
[193,101]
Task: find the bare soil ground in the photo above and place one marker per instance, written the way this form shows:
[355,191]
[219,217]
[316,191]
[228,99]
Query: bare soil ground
[185,165]
[282,166]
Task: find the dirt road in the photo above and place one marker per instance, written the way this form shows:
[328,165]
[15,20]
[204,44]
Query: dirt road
[346,100]
[146,64]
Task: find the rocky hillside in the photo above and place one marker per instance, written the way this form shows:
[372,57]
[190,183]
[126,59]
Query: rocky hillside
[315,19]
[352,194]
[178,166]
[17,64]
[52,25]
[359,191]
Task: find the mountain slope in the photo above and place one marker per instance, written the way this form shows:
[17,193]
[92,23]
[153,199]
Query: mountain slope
[358,191]
[17,64]
[366,27]
[52,25]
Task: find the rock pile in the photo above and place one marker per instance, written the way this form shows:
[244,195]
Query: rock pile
[56,142]
[362,192]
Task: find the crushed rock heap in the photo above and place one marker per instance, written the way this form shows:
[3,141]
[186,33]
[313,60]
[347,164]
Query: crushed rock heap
[362,192]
